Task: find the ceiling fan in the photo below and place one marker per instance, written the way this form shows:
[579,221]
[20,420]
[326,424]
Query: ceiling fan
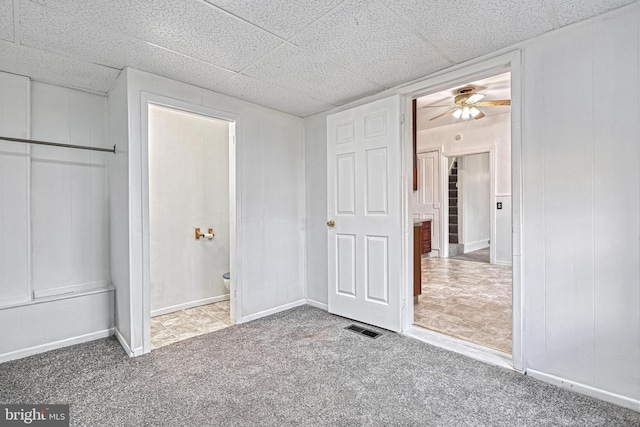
[467,101]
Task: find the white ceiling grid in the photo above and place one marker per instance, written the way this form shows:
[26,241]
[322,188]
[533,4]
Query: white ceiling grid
[296,56]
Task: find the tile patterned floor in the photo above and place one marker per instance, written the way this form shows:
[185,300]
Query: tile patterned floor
[183,324]
[468,300]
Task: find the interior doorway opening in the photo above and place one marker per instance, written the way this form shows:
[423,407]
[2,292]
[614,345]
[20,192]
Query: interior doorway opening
[189,220]
[463,145]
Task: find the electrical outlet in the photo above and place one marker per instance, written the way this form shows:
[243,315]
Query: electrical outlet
[499,205]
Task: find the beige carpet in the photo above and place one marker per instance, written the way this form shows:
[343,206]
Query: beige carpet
[296,368]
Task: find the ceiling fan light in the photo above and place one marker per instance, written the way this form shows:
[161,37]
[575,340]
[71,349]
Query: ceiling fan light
[457,113]
[474,112]
[466,113]
[475,98]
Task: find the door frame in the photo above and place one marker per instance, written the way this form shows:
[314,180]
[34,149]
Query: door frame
[235,286]
[443,80]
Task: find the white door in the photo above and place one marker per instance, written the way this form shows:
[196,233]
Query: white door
[364,202]
[426,201]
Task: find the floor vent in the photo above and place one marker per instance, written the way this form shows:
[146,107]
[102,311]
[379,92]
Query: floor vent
[366,332]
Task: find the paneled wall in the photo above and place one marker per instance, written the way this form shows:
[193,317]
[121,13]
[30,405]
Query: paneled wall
[581,204]
[54,274]
[69,192]
[581,195]
[119,255]
[14,190]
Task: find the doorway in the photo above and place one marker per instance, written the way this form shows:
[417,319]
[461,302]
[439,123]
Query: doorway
[467,287]
[190,227]
[188,224]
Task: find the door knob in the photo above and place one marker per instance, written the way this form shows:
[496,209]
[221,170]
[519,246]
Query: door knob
[331,223]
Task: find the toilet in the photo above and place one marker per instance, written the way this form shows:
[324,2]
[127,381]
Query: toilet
[226,278]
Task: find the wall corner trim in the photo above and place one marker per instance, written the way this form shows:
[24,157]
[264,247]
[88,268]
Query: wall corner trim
[274,310]
[317,304]
[617,399]
[123,343]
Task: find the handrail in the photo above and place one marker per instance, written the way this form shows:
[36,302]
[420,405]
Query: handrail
[56,144]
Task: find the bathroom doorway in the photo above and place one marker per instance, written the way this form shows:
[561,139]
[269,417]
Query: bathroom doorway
[190,158]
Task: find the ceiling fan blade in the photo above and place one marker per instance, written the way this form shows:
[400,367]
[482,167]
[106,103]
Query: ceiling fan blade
[479,115]
[431,106]
[494,103]
[444,114]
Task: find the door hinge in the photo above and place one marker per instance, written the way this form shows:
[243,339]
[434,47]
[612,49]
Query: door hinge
[402,119]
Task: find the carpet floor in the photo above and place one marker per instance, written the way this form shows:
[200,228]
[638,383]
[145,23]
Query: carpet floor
[295,368]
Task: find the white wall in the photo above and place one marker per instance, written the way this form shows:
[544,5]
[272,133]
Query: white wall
[54,247]
[15,244]
[315,164]
[270,204]
[69,191]
[188,188]
[119,238]
[474,191]
[581,195]
[581,204]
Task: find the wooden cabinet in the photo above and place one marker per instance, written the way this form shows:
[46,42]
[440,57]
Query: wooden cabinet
[421,245]
[426,237]
[417,255]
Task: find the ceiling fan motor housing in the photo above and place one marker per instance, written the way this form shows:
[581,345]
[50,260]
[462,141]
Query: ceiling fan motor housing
[464,94]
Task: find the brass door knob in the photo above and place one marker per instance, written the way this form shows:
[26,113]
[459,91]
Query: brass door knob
[331,223]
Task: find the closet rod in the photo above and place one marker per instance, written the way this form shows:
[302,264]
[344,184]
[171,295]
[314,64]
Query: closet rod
[56,144]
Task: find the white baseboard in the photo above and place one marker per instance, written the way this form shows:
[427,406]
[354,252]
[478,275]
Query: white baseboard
[19,354]
[476,246]
[273,310]
[498,262]
[626,402]
[320,305]
[190,304]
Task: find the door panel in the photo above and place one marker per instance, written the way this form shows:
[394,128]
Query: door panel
[427,203]
[346,253]
[364,201]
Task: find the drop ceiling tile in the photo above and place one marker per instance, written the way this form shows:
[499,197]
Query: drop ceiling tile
[6,20]
[281,17]
[304,72]
[58,32]
[365,38]
[267,95]
[191,27]
[55,69]
[569,11]
[471,28]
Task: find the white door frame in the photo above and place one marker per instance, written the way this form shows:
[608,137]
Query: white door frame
[443,80]
[444,213]
[234,204]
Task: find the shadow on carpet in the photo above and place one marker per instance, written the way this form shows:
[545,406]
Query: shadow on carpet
[296,368]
